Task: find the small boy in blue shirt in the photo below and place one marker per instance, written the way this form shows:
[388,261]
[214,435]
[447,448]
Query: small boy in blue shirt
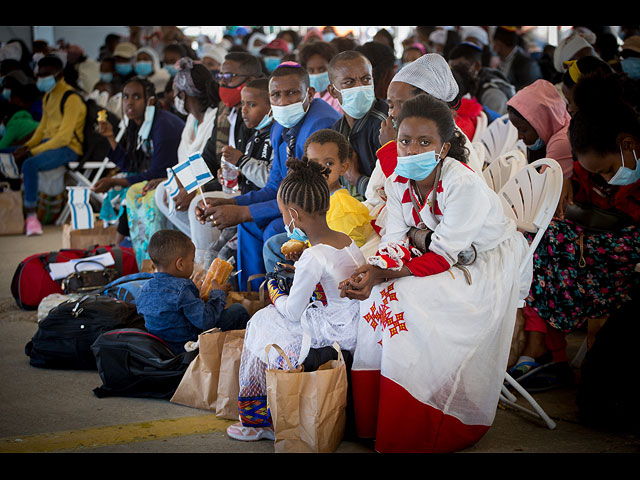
[170,301]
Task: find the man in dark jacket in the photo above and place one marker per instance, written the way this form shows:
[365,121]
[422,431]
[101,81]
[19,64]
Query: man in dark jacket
[351,77]
[490,88]
[519,68]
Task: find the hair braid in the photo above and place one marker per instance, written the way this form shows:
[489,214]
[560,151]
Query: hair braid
[306,186]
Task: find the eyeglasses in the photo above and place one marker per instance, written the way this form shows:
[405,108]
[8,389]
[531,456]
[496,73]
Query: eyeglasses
[228,76]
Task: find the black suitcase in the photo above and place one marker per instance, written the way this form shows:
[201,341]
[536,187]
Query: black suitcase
[64,337]
[135,363]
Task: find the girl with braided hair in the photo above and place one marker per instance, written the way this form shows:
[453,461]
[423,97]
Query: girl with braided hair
[312,315]
[143,149]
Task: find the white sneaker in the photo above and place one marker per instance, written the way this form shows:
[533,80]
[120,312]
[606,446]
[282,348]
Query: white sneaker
[250,434]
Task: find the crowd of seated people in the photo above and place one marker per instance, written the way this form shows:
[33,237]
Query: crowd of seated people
[356,149]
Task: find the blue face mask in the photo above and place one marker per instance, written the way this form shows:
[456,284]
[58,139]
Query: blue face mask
[631,66]
[536,146]
[328,36]
[144,69]
[145,128]
[271,63]
[296,233]
[624,175]
[417,167]
[124,68]
[46,84]
[319,81]
[171,69]
[268,118]
[357,101]
[6,93]
[289,115]
[106,76]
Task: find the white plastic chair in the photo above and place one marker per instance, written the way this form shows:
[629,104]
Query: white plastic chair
[498,172]
[481,125]
[499,138]
[530,197]
[91,173]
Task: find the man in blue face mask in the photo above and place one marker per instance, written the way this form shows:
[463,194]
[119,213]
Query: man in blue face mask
[351,77]
[297,115]
[58,138]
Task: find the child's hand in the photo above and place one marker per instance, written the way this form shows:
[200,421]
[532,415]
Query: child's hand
[231,155]
[198,277]
[226,287]
[294,256]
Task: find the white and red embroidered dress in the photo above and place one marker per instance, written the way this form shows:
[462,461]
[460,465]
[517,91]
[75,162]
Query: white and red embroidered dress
[432,349]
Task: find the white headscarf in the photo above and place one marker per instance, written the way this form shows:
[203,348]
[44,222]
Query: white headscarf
[430,73]
[214,51]
[155,59]
[567,48]
[478,33]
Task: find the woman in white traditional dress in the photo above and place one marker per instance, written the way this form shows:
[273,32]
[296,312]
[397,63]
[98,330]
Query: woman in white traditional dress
[439,298]
[313,314]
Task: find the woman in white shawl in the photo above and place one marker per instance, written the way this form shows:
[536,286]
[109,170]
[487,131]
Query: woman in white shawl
[439,298]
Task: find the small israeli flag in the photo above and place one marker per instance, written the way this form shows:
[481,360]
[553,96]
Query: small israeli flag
[81,211]
[193,172]
[172,189]
[8,166]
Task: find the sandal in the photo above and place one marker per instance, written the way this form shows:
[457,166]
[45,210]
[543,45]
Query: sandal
[548,377]
[250,434]
[524,369]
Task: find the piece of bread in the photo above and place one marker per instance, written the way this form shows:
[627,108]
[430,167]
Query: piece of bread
[292,246]
[218,272]
[102,116]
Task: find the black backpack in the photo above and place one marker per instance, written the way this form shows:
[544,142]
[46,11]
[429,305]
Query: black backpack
[94,146]
[135,363]
[64,337]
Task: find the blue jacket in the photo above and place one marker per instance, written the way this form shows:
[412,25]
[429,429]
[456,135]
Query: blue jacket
[165,136]
[262,203]
[173,310]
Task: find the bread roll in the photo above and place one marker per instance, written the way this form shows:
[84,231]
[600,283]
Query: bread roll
[292,246]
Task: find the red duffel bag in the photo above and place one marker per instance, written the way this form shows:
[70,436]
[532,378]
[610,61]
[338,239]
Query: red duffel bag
[32,280]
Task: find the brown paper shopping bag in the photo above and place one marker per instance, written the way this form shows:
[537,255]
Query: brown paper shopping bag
[11,216]
[308,409]
[251,300]
[229,380]
[88,237]
[199,385]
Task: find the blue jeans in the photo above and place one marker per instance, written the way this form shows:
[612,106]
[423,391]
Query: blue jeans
[251,239]
[47,160]
[271,251]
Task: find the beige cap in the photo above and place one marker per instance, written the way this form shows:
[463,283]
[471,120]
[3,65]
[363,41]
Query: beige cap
[125,50]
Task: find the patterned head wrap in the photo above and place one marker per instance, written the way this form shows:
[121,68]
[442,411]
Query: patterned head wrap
[183,81]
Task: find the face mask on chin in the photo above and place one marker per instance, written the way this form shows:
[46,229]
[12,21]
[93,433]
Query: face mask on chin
[295,233]
[625,175]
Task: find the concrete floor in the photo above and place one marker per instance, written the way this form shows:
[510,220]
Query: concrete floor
[56,411]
